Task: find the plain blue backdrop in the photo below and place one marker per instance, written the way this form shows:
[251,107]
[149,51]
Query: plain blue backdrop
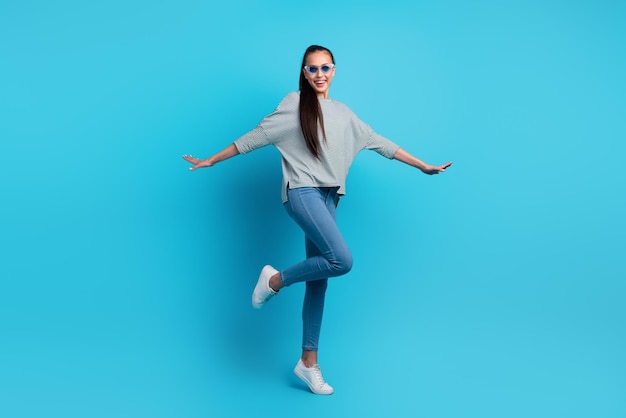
[494,290]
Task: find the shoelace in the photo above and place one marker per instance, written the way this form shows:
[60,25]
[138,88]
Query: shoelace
[317,372]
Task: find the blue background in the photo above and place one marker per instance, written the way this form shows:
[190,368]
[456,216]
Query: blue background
[494,290]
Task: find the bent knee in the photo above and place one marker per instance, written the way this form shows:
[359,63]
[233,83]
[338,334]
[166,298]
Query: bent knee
[342,265]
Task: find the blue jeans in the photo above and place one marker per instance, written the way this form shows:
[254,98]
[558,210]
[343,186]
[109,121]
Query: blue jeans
[327,254]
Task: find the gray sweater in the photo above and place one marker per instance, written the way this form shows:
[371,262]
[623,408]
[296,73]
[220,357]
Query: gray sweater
[346,135]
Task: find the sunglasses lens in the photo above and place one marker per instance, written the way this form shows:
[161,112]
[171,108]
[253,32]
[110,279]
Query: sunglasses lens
[311,69]
[326,68]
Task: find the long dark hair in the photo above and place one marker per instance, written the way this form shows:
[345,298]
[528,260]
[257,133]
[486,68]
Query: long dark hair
[310,109]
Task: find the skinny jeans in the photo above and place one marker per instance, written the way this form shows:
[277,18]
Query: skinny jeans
[327,254]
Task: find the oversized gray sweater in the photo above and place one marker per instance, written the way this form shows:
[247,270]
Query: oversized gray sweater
[346,135]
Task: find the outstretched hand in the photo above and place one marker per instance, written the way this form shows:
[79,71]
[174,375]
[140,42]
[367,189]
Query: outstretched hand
[405,157]
[197,162]
[229,151]
[435,169]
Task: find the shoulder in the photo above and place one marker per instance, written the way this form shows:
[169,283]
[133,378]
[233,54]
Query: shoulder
[293,97]
[291,100]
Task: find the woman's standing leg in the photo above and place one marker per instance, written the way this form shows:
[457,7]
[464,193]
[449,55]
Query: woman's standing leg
[314,297]
[312,312]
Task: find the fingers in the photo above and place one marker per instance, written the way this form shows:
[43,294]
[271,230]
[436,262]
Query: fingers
[196,166]
[197,162]
[191,158]
[442,168]
[438,169]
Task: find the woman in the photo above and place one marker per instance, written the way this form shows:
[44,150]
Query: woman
[318,139]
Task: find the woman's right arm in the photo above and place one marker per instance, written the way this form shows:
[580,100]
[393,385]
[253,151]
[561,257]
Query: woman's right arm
[273,126]
[229,151]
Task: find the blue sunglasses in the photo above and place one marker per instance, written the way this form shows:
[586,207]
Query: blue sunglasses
[312,69]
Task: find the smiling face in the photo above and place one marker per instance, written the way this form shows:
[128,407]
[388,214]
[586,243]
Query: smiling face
[319,81]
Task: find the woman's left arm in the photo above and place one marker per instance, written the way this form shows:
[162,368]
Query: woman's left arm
[405,157]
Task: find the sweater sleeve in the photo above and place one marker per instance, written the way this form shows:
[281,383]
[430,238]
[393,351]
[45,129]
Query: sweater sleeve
[368,139]
[381,145]
[273,128]
[252,140]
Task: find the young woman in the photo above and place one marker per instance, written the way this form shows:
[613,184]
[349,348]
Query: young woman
[318,139]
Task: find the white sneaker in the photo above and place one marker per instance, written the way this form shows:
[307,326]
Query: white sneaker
[312,376]
[263,292]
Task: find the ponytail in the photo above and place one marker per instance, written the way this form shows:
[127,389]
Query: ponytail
[310,110]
